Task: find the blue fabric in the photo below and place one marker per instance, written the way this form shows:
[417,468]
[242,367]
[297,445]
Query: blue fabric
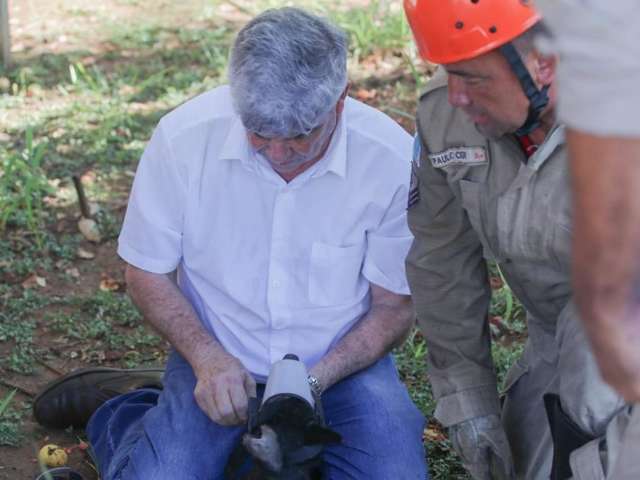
[163,435]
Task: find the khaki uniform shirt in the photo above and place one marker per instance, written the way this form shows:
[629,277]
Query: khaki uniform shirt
[473,200]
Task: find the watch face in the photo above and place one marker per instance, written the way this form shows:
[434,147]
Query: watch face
[314,384]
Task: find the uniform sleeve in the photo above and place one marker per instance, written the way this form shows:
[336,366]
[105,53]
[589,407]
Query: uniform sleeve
[388,245]
[448,279]
[151,235]
[598,43]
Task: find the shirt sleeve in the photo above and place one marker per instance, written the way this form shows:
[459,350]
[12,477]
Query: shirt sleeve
[388,244]
[151,235]
[449,285]
[598,42]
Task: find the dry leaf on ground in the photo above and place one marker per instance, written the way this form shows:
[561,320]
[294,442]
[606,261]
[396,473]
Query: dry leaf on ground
[433,434]
[73,272]
[364,94]
[85,254]
[496,283]
[34,281]
[108,284]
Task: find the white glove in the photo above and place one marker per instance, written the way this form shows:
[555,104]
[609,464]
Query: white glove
[483,447]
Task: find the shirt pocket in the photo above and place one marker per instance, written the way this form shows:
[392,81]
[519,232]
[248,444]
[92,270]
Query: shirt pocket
[334,273]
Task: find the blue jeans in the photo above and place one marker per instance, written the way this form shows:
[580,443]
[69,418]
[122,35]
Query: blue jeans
[163,435]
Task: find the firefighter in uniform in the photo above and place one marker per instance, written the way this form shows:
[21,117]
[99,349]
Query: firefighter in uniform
[491,184]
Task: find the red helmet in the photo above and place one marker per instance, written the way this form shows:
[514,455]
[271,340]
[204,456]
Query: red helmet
[447,31]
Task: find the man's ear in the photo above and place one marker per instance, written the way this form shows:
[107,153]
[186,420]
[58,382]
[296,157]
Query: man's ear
[343,96]
[346,91]
[545,70]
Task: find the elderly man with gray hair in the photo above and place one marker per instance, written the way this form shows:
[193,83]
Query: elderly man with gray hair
[281,205]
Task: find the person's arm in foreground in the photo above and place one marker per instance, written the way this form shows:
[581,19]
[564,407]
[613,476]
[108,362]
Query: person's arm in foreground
[600,111]
[387,323]
[223,384]
[606,253]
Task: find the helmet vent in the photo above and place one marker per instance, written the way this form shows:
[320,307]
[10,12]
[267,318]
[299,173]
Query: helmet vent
[459,25]
[493,29]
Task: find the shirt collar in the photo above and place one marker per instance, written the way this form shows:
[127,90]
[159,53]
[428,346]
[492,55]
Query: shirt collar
[236,145]
[335,158]
[554,140]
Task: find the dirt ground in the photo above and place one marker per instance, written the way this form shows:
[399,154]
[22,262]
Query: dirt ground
[47,27]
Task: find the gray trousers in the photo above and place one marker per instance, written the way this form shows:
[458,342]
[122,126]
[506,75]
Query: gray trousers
[563,364]
[624,459]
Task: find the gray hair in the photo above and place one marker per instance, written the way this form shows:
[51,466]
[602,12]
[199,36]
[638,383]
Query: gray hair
[287,69]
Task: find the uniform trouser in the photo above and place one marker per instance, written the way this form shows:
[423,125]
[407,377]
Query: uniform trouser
[563,364]
[147,434]
[624,461]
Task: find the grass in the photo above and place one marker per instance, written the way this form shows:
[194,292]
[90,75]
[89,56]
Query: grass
[23,188]
[89,113]
[10,418]
[104,325]
[410,359]
[377,28]
[17,327]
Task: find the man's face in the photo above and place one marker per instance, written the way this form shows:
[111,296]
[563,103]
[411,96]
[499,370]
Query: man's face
[486,89]
[290,156]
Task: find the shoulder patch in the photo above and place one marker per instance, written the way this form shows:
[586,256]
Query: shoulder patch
[459,156]
[414,187]
[417,150]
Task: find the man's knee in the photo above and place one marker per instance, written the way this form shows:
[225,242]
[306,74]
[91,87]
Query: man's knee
[380,426]
[406,460]
[169,453]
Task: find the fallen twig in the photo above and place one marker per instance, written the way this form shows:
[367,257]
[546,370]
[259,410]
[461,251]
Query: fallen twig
[82,199]
[42,362]
[17,387]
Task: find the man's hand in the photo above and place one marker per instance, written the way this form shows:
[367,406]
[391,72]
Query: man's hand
[618,354]
[223,388]
[223,384]
[483,447]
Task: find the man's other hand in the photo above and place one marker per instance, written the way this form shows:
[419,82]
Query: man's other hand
[223,388]
[617,351]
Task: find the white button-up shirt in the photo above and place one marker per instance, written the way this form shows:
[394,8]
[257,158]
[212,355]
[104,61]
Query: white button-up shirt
[271,267]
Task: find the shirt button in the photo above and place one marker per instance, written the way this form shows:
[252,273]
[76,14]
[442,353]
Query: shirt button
[276,283]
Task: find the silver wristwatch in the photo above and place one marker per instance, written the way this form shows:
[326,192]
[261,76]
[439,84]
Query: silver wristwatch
[314,384]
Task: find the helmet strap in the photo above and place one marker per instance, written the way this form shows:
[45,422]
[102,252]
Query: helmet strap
[538,98]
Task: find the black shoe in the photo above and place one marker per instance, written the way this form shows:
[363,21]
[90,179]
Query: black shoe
[71,399]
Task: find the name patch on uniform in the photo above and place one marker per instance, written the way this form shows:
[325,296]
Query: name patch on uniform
[459,156]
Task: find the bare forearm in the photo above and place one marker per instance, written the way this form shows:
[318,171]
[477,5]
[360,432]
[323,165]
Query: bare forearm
[223,384]
[381,329]
[606,253]
[164,306]
[606,185]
